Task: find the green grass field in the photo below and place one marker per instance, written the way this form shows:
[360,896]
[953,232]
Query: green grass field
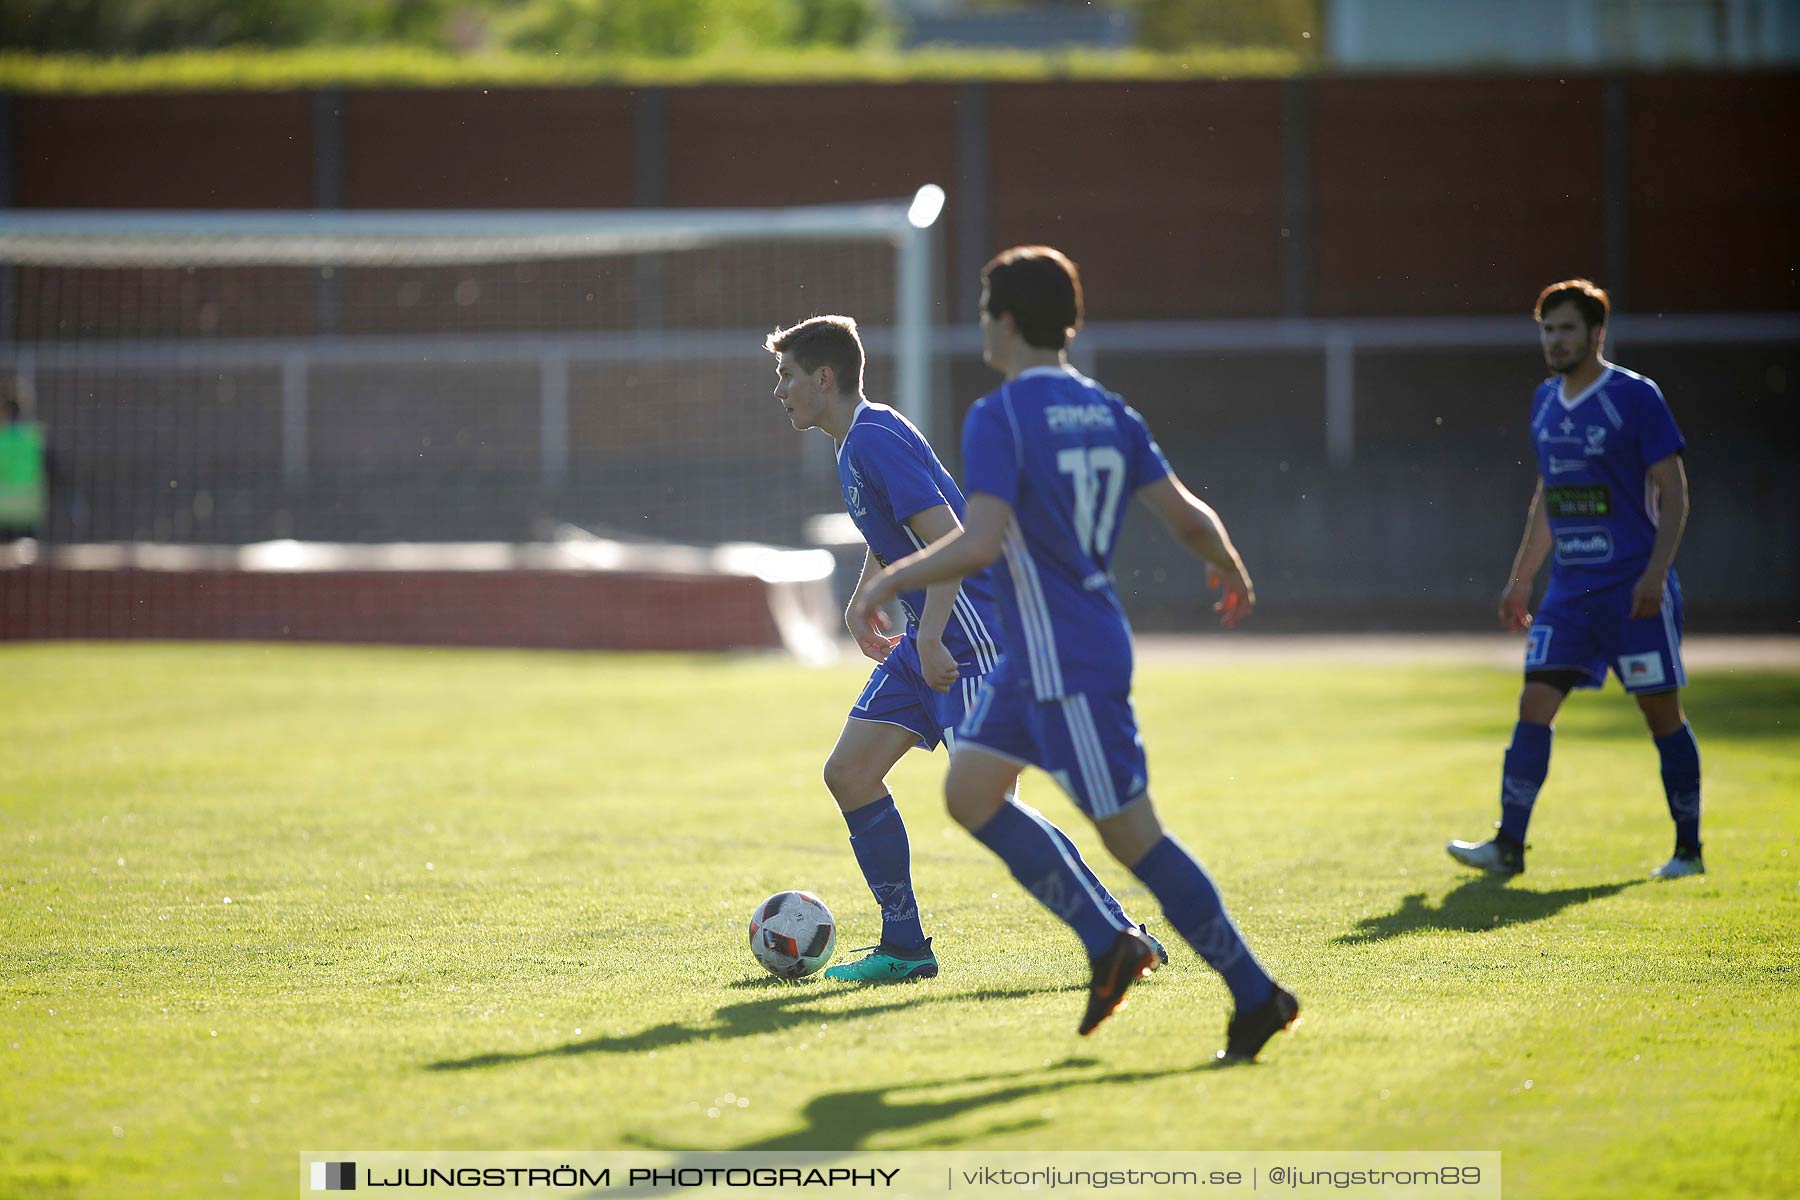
[265,899]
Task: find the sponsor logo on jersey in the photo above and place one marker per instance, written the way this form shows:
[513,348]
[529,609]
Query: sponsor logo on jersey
[1567,438]
[1579,500]
[1565,466]
[1583,545]
[1074,418]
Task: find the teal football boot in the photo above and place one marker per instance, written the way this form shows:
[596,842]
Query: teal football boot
[887,964]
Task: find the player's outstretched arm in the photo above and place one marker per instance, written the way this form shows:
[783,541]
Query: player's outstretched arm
[1193,523]
[1534,547]
[1670,478]
[935,662]
[962,552]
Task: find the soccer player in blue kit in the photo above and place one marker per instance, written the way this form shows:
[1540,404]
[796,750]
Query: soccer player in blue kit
[1050,460]
[901,499]
[1609,509]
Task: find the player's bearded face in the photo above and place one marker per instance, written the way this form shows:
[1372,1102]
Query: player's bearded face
[1568,341]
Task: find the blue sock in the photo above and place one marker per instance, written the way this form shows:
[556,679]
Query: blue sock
[1681,782]
[1192,905]
[1107,899]
[878,838]
[1526,767]
[1028,845]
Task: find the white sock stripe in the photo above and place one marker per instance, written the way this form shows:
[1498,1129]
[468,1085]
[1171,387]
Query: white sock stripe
[1080,875]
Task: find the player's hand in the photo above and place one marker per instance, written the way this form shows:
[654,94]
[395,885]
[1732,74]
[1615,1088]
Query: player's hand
[1239,598]
[869,626]
[1646,596]
[1515,606]
[936,664]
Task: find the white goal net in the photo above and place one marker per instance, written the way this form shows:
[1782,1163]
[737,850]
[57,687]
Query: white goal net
[503,379]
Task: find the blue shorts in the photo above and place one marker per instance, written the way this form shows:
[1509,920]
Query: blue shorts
[1088,742]
[897,694]
[1593,633]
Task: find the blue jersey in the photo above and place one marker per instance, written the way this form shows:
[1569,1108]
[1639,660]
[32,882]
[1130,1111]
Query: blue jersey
[1595,451]
[888,473]
[1067,455]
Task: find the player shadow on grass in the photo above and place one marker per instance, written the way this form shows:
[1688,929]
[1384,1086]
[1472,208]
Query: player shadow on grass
[789,1007]
[1475,907]
[846,1120]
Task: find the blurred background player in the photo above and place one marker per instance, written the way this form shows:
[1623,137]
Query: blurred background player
[1050,461]
[24,467]
[901,498]
[1611,500]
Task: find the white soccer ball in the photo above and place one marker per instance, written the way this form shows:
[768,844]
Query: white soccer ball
[792,934]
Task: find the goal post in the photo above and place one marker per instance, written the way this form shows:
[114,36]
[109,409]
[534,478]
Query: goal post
[497,377]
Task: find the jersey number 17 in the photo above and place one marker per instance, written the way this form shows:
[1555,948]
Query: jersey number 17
[1096,499]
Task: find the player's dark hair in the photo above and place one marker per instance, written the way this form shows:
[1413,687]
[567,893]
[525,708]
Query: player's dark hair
[1588,297]
[1041,288]
[824,342]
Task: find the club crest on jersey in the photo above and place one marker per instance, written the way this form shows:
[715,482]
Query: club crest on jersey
[1596,439]
[853,494]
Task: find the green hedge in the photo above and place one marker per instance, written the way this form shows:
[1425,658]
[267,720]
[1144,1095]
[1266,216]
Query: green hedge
[413,67]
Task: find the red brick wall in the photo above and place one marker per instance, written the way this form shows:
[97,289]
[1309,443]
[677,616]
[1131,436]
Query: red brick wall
[1715,193]
[206,150]
[1168,195]
[1427,194]
[1454,196]
[498,148]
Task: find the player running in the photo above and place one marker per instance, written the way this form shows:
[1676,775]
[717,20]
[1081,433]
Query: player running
[1611,502]
[901,499]
[1050,460]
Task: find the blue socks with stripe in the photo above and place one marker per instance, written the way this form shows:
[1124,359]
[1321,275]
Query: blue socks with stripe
[1033,850]
[1107,899]
[1191,903]
[878,839]
[1522,776]
[1681,782]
